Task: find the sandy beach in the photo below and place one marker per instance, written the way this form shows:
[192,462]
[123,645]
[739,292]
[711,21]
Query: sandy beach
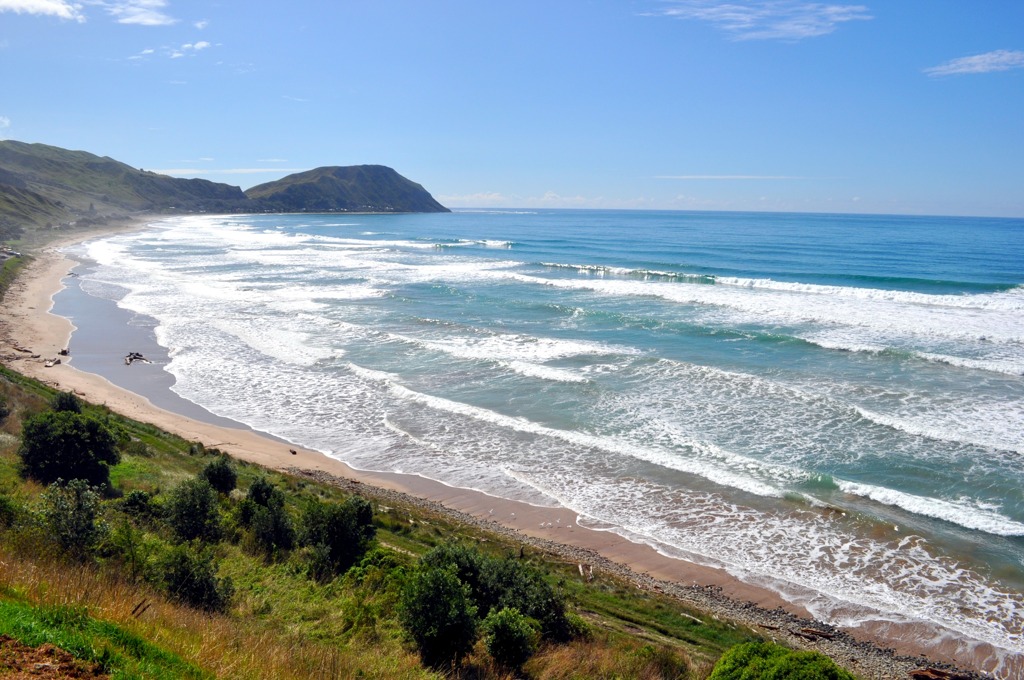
[26,322]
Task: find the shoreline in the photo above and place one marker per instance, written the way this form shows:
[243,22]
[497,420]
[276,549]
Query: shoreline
[26,320]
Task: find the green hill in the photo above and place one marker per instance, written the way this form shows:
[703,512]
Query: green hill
[356,188]
[43,185]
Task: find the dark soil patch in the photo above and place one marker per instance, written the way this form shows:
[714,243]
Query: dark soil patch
[21,662]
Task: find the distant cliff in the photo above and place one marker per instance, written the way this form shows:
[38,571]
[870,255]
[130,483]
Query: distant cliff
[44,185]
[355,188]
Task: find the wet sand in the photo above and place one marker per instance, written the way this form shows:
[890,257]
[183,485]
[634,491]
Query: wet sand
[26,321]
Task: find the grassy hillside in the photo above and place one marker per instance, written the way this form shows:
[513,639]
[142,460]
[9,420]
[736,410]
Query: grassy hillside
[42,184]
[46,187]
[112,604]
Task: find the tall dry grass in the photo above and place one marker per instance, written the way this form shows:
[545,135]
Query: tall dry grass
[224,646]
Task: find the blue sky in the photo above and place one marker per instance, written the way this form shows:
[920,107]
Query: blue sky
[901,106]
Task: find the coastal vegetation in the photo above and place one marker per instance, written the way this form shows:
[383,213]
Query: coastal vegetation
[182,562]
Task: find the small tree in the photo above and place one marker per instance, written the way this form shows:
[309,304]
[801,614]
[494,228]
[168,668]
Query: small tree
[438,612]
[220,474]
[505,582]
[338,533]
[263,512]
[190,576]
[66,401]
[70,515]
[511,638]
[68,445]
[193,511]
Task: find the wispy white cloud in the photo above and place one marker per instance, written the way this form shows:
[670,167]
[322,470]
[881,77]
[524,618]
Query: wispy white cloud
[189,49]
[201,24]
[730,177]
[5,124]
[998,60]
[139,12]
[54,8]
[767,19]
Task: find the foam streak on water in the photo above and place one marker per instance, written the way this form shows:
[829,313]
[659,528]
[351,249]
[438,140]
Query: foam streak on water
[832,406]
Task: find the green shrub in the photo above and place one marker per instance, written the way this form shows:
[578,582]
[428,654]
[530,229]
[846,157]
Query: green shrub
[137,448]
[138,504]
[496,583]
[68,445]
[338,534]
[70,516]
[134,550]
[10,510]
[272,529]
[263,512]
[66,401]
[220,474]
[508,582]
[189,573]
[769,661]
[437,611]
[510,637]
[193,511]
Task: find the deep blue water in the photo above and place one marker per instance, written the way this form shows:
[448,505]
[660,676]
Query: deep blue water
[831,405]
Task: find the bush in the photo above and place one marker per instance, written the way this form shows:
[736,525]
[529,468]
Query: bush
[137,448]
[193,511]
[220,474]
[510,583]
[339,534]
[68,445]
[190,576]
[263,512]
[510,637]
[496,583]
[768,661]
[10,510]
[437,611]
[70,516]
[138,505]
[66,401]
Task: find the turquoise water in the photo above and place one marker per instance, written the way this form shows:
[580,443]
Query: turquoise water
[830,405]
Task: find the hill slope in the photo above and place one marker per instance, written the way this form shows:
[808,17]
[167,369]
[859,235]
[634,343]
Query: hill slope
[44,185]
[355,188]
[41,183]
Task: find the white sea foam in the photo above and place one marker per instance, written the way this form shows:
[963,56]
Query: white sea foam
[698,458]
[965,511]
[897,578]
[773,419]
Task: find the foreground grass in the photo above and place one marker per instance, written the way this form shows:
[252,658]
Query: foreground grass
[281,623]
[117,651]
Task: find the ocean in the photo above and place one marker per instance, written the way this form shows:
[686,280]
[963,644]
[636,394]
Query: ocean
[831,406]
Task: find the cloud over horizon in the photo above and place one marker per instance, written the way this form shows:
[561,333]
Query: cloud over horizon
[989,62]
[767,19]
